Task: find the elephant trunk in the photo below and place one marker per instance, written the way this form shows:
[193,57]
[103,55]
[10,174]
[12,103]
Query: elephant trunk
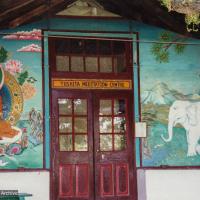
[170,132]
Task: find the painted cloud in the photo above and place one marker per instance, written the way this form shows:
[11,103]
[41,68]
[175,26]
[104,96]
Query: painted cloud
[30,48]
[35,34]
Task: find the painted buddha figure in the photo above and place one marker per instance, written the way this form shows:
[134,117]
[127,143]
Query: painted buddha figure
[6,130]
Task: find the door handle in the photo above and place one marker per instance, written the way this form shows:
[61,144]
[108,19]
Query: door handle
[97,150]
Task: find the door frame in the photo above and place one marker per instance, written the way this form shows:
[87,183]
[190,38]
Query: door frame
[130,136]
[55,143]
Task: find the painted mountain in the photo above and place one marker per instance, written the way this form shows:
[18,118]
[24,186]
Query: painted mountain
[160,94]
[157,100]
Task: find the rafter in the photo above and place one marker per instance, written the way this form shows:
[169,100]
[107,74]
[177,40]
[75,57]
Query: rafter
[19,5]
[16,13]
[33,13]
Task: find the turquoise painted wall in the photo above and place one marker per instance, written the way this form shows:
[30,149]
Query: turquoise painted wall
[178,70]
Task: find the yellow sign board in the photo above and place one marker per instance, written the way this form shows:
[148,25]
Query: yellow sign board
[59,83]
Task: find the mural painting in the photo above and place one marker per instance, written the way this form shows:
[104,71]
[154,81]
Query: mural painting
[21,123]
[170,98]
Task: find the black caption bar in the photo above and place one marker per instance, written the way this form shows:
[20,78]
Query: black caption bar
[9,192]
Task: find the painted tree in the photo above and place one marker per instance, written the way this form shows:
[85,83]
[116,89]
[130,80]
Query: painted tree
[160,49]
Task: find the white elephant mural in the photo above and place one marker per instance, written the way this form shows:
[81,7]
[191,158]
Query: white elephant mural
[187,114]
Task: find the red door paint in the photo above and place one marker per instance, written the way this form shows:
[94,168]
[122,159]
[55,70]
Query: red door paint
[92,145]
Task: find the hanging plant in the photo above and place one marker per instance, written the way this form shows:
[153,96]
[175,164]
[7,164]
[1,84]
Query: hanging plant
[190,8]
[192,21]
[167,4]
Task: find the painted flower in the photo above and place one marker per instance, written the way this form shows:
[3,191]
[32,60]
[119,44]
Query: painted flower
[28,90]
[13,66]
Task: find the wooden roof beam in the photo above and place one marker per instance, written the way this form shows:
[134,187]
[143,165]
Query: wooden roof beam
[20,4]
[33,13]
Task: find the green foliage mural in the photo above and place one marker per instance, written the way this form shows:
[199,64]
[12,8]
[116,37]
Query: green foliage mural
[3,55]
[22,77]
[161,50]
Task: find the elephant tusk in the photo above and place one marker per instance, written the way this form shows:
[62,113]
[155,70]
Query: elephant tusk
[166,140]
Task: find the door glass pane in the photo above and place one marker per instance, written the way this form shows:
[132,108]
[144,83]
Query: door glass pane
[80,106]
[105,124]
[119,124]
[106,142]
[65,142]
[62,46]
[105,47]
[77,64]
[105,107]
[81,143]
[119,106]
[65,124]
[91,64]
[62,63]
[119,63]
[91,47]
[77,46]
[105,64]
[80,124]
[118,47]
[65,106]
[120,142]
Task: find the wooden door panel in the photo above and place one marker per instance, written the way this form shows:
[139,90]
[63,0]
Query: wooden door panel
[66,181]
[82,180]
[114,177]
[73,157]
[122,179]
[106,180]
[113,113]
[72,146]
[74,181]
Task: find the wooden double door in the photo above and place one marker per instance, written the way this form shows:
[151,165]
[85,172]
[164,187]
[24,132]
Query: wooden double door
[92,150]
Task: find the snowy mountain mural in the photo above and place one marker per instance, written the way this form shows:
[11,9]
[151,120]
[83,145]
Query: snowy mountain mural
[161,94]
